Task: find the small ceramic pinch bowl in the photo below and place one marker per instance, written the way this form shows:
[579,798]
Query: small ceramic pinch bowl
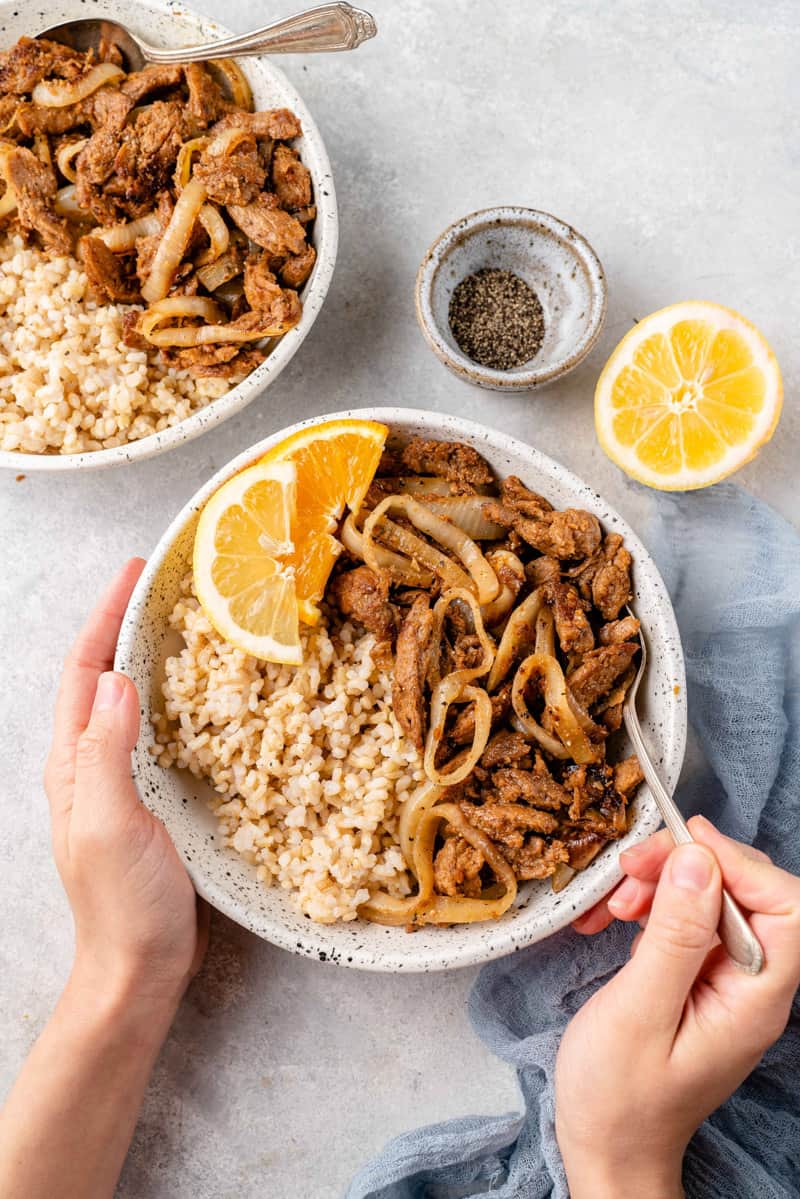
[550,256]
[228,882]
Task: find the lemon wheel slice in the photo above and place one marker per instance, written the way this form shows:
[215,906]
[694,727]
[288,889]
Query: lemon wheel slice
[243,572]
[335,463]
[688,396]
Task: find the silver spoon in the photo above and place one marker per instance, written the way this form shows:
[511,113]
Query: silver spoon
[328,27]
[734,931]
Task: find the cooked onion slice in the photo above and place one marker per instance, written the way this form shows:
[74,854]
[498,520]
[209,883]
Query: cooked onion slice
[429,908]
[218,232]
[518,637]
[412,811]
[463,599]
[174,241]
[236,80]
[66,205]
[570,740]
[183,167]
[57,93]
[219,272]
[499,608]
[184,336]
[466,511]
[121,238]
[65,158]
[398,567]
[545,633]
[445,693]
[483,578]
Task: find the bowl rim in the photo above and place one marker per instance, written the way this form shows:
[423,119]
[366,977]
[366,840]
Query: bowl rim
[498,939]
[509,214]
[327,223]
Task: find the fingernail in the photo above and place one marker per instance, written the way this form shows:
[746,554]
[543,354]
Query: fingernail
[110,689]
[634,850]
[624,895]
[691,867]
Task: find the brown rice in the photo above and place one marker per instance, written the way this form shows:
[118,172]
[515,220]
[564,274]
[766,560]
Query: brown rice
[68,383]
[308,763]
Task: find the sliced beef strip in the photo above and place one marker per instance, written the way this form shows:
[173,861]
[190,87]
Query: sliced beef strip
[526,786]
[220,362]
[234,178]
[457,867]
[411,663]
[206,101]
[516,495]
[264,294]
[627,775]
[291,181]
[572,624]
[279,124]
[507,824]
[463,729]
[599,670]
[611,585]
[543,570]
[112,276]
[269,227]
[35,188]
[536,859]
[33,59]
[153,78]
[298,267]
[506,749]
[148,151]
[447,460]
[364,596]
[618,631]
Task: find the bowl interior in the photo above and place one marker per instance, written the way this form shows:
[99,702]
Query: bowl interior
[171,24]
[549,256]
[231,884]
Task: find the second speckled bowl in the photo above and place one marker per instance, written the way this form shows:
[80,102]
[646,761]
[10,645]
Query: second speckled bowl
[550,256]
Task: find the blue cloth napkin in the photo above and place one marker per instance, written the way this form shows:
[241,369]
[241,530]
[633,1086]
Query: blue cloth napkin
[732,566]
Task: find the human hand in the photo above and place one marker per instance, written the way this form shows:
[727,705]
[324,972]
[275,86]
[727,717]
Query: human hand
[139,931]
[676,1031]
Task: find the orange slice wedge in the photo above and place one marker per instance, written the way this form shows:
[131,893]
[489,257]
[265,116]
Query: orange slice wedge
[334,462]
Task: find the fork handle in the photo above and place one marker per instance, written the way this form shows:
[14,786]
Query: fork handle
[735,933]
[327,27]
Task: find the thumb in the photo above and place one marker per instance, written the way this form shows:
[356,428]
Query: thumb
[103,783]
[681,929]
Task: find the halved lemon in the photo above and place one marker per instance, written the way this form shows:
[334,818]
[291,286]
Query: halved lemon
[242,562]
[335,463]
[688,396]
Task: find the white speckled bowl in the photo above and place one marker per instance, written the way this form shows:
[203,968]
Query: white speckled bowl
[229,883]
[167,23]
[550,256]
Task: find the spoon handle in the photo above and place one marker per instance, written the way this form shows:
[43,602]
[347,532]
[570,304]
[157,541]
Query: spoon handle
[328,27]
[734,931]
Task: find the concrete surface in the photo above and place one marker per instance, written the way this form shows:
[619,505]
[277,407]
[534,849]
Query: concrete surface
[664,133]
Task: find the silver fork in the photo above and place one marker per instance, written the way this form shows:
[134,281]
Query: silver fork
[734,931]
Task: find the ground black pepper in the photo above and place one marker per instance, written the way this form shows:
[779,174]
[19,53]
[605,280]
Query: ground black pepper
[496,319]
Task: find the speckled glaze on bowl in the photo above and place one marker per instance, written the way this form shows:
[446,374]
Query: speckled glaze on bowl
[229,883]
[552,258]
[168,23]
